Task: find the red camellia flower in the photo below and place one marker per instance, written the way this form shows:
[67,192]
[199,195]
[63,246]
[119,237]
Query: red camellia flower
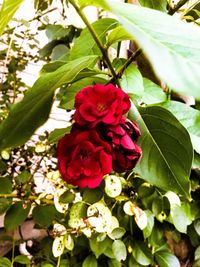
[100,103]
[83,158]
[122,136]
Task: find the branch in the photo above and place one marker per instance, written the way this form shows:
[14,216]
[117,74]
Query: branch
[97,40]
[174,9]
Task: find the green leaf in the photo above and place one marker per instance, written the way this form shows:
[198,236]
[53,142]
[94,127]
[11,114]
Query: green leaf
[16,215]
[30,113]
[44,215]
[90,261]
[67,197]
[92,196]
[181,216]
[150,224]
[57,134]
[197,226]
[117,35]
[141,253]
[5,262]
[172,46]
[114,263]
[5,185]
[5,203]
[8,9]
[166,259]
[85,44]
[56,32]
[117,233]
[155,4]
[189,117]
[153,93]
[132,81]
[99,247]
[165,143]
[67,100]
[22,259]
[23,177]
[119,250]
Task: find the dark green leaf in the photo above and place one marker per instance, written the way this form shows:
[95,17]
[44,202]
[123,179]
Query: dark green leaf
[44,215]
[67,197]
[23,177]
[22,259]
[57,134]
[27,115]
[5,203]
[172,46]
[114,263]
[90,261]
[165,143]
[3,166]
[85,44]
[5,185]
[16,215]
[155,4]
[119,250]
[166,259]
[92,196]
[99,247]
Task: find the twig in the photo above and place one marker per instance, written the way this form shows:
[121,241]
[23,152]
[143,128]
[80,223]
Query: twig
[174,9]
[97,40]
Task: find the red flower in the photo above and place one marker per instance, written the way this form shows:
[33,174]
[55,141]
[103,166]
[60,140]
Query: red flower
[100,103]
[122,136]
[83,158]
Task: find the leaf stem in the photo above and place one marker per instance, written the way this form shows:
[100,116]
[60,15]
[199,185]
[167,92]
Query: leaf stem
[174,9]
[44,200]
[97,40]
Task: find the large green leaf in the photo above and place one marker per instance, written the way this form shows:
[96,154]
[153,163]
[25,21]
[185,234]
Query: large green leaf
[166,259]
[167,150]
[7,11]
[155,4]
[27,115]
[86,45]
[172,46]
[189,117]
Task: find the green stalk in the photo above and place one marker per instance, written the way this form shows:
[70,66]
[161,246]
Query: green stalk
[97,40]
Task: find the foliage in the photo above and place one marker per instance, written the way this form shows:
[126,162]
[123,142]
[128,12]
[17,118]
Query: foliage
[148,216]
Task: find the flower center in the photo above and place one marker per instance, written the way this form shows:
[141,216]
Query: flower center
[83,154]
[101,107]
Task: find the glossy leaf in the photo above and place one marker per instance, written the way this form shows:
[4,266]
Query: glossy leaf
[16,215]
[36,104]
[132,81]
[85,44]
[155,4]
[167,150]
[150,224]
[152,94]
[8,9]
[117,35]
[172,46]
[166,259]
[5,262]
[142,254]
[119,250]
[189,117]
[57,134]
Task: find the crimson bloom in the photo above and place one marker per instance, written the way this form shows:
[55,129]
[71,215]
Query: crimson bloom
[83,158]
[122,138]
[100,103]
